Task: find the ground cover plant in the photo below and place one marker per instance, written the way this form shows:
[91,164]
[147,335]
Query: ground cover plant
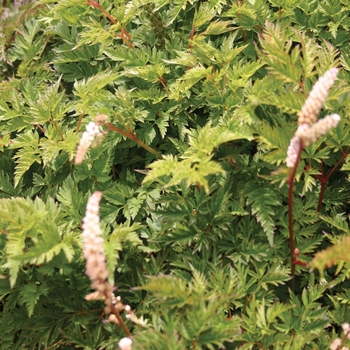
[174,174]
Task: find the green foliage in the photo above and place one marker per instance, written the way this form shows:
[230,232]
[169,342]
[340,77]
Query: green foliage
[202,101]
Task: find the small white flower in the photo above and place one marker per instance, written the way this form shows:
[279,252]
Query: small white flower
[346,327]
[112,318]
[335,344]
[125,344]
[293,151]
[94,296]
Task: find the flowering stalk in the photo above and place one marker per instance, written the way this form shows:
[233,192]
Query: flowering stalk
[318,95]
[96,268]
[297,149]
[93,136]
[310,129]
[337,343]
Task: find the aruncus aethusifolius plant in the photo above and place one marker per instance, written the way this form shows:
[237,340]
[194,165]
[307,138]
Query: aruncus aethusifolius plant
[310,129]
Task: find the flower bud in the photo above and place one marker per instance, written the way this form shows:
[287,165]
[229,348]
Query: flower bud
[125,344]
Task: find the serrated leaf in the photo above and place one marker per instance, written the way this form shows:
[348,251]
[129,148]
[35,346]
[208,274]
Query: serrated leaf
[30,295]
[274,275]
[33,233]
[71,199]
[150,73]
[49,105]
[29,45]
[263,201]
[309,180]
[171,289]
[177,6]
[184,58]
[190,78]
[28,153]
[204,14]
[120,237]
[218,27]
[283,61]
[90,90]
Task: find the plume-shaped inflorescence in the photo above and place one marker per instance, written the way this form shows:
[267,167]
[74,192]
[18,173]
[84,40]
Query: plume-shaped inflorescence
[96,268]
[310,129]
[318,95]
[91,137]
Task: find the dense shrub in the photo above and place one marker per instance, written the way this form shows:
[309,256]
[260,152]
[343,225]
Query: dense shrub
[182,113]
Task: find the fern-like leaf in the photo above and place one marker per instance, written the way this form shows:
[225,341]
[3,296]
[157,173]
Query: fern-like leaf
[28,153]
[262,199]
[33,233]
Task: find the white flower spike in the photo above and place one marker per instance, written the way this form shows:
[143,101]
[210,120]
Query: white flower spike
[90,137]
[318,95]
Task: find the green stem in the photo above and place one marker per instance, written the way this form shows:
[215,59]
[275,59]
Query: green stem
[58,129]
[80,121]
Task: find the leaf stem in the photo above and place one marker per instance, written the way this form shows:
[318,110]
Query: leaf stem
[58,129]
[40,128]
[80,121]
[162,81]
[106,13]
[130,135]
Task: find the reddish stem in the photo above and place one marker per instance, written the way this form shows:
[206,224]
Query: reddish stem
[193,30]
[323,179]
[121,323]
[126,41]
[162,81]
[298,262]
[291,178]
[124,34]
[116,312]
[40,128]
[106,13]
[130,135]
[345,154]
